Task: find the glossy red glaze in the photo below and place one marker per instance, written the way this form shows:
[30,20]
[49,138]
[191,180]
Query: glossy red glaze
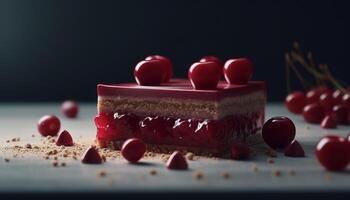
[204,75]
[294,149]
[346,100]
[150,72]
[64,139]
[327,101]
[328,122]
[340,114]
[314,113]
[179,89]
[240,151]
[133,150]
[238,71]
[295,102]
[278,132]
[333,153]
[177,161]
[212,59]
[167,65]
[49,125]
[91,156]
[70,108]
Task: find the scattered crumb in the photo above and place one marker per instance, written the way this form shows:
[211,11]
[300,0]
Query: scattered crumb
[153,172]
[226,175]
[291,172]
[63,164]
[271,153]
[7,160]
[46,157]
[33,135]
[55,164]
[8,141]
[55,158]
[254,168]
[52,140]
[103,157]
[276,173]
[270,160]
[102,173]
[28,146]
[198,175]
[189,156]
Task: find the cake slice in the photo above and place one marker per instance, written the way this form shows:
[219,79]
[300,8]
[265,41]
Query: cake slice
[174,116]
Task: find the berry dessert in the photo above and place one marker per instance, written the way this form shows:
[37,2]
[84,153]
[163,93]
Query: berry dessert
[201,115]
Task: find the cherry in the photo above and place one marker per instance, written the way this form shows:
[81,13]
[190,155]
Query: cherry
[91,156]
[212,59]
[204,75]
[64,139]
[278,132]
[346,100]
[337,96]
[240,151]
[328,122]
[70,108]
[340,114]
[167,65]
[177,161]
[327,101]
[295,102]
[49,125]
[313,96]
[294,149]
[133,150]
[313,113]
[150,72]
[333,153]
[238,71]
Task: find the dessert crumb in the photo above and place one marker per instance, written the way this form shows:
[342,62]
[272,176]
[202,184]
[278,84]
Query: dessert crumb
[198,175]
[55,158]
[63,164]
[33,135]
[271,153]
[270,160]
[55,164]
[276,173]
[291,172]
[226,175]
[189,156]
[7,160]
[102,173]
[28,146]
[254,168]
[153,172]
[7,141]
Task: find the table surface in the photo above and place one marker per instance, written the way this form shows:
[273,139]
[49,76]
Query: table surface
[34,174]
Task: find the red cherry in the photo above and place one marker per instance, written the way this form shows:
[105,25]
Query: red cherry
[333,153]
[49,125]
[313,96]
[238,71]
[294,149]
[133,150]
[177,161]
[295,102]
[64,139]
[150,72]
[167,65]
[346,100]
[278,132]
[204,75]
[328,122]
[337,96]
[313,113]
[70,108]
[327,101]
[212,59]
[91,156]
[340,114]
[240,151]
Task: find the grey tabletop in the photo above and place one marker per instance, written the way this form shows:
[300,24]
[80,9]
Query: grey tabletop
[35,174]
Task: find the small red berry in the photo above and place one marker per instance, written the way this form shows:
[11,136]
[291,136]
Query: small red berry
[327,101]
[212,59]
[49,125]
[177,161]
[333,153]
[150,72]
[278,132]
[295,102]
[91,156]
[328,122]
[337,96]
[167,65]
[313,96]
[240,151]
[238,71]
[133,150]
[346,100]
[204,75]
[64,139]
[340,114]
[294,149]
[313,113]
[70,108]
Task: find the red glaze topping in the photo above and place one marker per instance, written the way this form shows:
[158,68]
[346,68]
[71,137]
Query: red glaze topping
[133,150]
[238,71]
[240,151]
[167,65]
[64,139]
[177,161]
[49,125]
[278,132]
[295,102]
[91,156]
[294,149]
[204,75]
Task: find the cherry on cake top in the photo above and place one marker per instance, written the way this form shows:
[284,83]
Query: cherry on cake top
[203,75]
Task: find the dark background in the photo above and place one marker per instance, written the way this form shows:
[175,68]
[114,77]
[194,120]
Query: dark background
[53,50]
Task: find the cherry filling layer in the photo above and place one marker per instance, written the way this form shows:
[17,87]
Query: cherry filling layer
[213,135]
